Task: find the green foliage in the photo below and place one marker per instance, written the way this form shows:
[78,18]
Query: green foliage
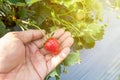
[73,57]
[81,17]
[3,30]
[16,2]
[22,13]
[40,13]
[30,2]
[55,73]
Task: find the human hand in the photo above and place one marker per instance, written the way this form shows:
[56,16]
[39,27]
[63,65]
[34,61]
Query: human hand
[22,56]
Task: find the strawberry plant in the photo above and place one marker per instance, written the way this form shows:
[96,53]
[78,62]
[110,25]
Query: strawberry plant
[81,17]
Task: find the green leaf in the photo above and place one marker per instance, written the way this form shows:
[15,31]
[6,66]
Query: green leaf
[78,45]
[55,73]
[17,2]
[41,12]
[95,28]
[89,45]
[72,59]
[3,30]
[53,28]
[20,4]
[22,13]
[92,33]
[6,9]
[97,31]
[30,2]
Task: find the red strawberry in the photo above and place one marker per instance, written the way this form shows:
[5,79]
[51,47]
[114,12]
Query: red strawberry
[52,45]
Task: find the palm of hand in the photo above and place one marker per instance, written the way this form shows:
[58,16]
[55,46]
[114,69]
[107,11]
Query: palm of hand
[31,61]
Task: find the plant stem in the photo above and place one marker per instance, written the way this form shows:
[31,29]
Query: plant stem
[33,26]
[22,28]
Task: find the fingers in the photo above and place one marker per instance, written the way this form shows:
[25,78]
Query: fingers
[39,43]
[43,51]
[27,36]
[58,33]
[68,42]
[54,61]
[64,36]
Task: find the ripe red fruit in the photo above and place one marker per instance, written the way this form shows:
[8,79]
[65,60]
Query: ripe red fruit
[52,45]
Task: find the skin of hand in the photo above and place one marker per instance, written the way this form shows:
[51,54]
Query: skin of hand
[22,56]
